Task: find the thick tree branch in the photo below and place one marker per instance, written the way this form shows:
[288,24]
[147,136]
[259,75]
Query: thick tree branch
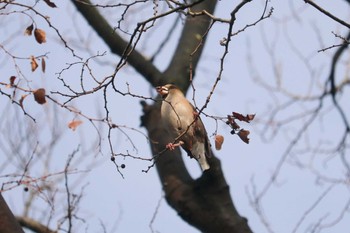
[34,225]
[335,59]
[204,203]
[8,223]
[191,37]
[115,42]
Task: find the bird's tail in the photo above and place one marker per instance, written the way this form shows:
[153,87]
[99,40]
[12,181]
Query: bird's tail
[202,160]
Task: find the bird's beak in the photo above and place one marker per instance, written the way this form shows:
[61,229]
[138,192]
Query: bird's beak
[159,90]
[162,90]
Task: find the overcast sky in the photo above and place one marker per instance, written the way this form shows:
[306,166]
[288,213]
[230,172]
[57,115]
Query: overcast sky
[285,44]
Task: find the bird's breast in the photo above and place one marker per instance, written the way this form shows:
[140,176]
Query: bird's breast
[176,116]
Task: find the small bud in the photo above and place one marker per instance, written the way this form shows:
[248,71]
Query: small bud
[112,159]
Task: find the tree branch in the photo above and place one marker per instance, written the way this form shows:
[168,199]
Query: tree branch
[8,223]
[204,203]
[33,225]
[342,22]
[191,37]
[116,43]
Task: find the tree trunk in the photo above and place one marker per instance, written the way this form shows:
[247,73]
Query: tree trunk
[8,222]
[204,203]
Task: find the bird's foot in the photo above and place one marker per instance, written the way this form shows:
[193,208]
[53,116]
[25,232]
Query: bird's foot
[172,146]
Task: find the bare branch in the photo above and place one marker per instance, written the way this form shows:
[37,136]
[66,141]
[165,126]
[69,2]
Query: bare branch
[312,3]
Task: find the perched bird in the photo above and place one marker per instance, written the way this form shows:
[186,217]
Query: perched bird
[184,125]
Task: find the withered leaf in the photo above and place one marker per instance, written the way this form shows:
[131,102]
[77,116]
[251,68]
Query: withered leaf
[74,124]
[33,63]
[50,4]
[240,117]
[250,117]
[21,100]
[40,35]
[12,82]
[39,96]
[29,30]
[232,123]
[43,65]
[219,140]
[243,134]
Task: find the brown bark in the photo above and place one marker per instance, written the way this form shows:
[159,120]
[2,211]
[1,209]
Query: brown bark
[8,223]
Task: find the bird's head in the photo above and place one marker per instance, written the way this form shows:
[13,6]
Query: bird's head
[165,90]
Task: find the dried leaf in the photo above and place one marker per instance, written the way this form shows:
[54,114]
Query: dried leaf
[21,100]
[240,117]
[74,124]
[40,35]
[50,4]
[250,117]
[232,123]
[39,96]
[29,30]
[33,63]
[43,65]
[219,140]
[243,134]
[12,82]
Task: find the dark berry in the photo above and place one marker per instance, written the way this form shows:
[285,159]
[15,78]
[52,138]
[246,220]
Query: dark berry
[26,189]
[122,166]
[112,159]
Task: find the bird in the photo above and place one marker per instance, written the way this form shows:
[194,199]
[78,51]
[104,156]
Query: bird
[183,123]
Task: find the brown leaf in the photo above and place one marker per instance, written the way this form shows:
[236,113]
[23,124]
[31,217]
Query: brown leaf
[43,65]
[232,122]
[219,140]
[50,4]
[74,124]
[40,35]
[12,82]
[250,117]
[243,134]
[29,30]
[33,63]
[21,100]
[39,96]
[240,117]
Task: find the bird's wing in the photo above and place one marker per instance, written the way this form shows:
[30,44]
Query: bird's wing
[201,134]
